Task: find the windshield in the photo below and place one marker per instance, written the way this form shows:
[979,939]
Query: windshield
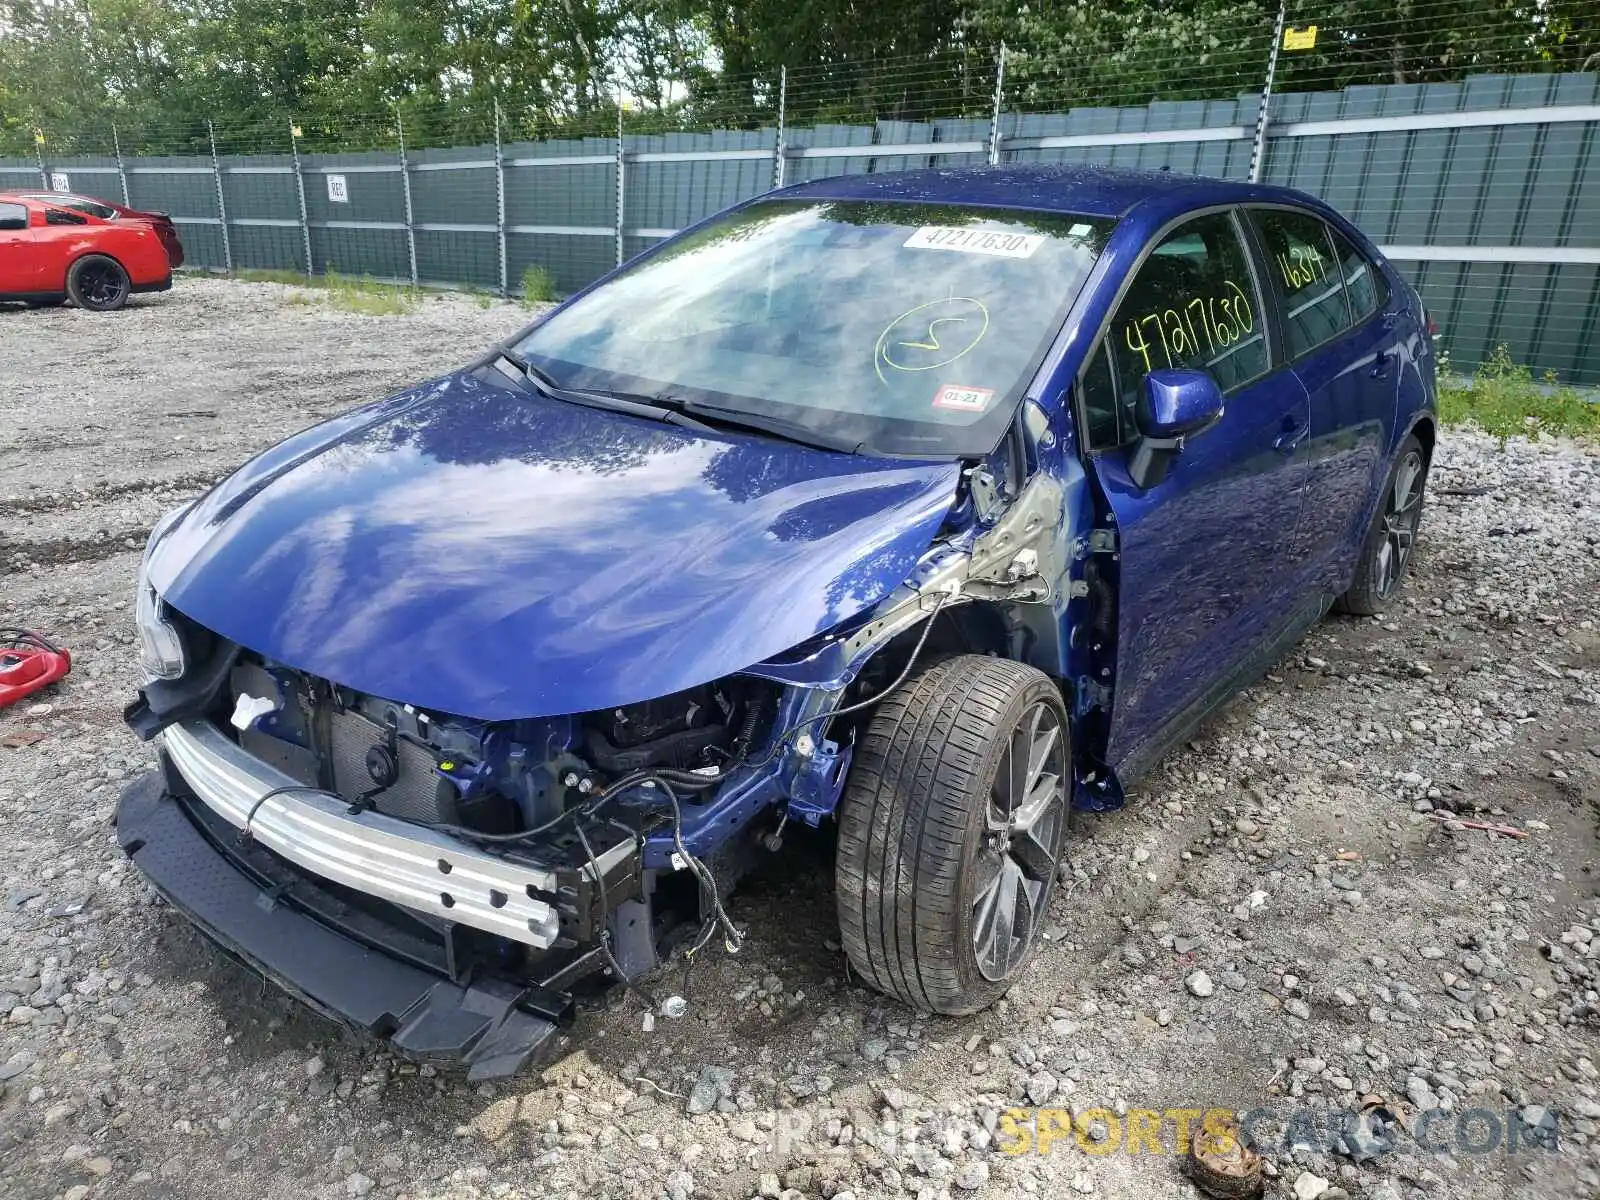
[898,328]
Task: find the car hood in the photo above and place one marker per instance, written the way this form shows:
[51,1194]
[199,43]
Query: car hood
[471,547]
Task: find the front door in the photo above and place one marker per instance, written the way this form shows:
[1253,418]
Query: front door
[1203,577]
[19,265]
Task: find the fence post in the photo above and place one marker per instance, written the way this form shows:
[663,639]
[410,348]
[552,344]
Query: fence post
[122,170]
[999,97]
[38,154]
[778,147]
[1259,149]
[222,200]
[622,170]
[500,195]
[300,191]
[405,191]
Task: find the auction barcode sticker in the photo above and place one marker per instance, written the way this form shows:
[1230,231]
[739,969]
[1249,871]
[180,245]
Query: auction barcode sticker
[975,241]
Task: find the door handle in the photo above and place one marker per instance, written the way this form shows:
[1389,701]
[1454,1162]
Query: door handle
[1290,439]
[1380,368]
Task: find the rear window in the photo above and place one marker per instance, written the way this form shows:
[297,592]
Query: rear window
[1306,277]
[1363,282]
[901,328]
[13,216]
[79,204]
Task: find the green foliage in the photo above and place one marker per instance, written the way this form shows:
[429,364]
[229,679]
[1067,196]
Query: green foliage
[1503,399]
[538,285]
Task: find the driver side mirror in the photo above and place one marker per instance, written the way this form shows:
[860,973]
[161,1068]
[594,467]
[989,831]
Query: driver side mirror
[1175,405]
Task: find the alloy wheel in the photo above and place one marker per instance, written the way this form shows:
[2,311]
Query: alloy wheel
[1016,864]
[100,283]
[1401,515]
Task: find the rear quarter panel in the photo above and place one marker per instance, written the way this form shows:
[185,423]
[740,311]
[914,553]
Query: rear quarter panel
[138,249]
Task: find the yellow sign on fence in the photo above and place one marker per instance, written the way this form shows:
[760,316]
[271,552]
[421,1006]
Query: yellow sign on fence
[1300,39]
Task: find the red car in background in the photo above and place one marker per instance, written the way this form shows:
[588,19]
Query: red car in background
[108,211]
[50,254]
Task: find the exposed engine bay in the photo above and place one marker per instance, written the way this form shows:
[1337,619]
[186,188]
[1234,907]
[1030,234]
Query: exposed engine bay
[548,791]
[495,778]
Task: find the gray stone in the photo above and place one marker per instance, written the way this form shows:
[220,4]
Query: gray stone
[1041,1088]
[1199,984]
[708,1088]
[17,1064]
[973,1176]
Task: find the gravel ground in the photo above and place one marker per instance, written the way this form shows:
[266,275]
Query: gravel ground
[1292,914]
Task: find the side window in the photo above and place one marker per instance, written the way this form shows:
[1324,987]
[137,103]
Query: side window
[13,216]
[1363,282]
[1306,277]
[60,216]
[1100,411]
[1193,304]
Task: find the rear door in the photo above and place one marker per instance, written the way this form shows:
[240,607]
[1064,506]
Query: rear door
[1203,576]
[19,263]
[1344,347]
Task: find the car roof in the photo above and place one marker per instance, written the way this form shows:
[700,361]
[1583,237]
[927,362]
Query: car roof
[1091,191]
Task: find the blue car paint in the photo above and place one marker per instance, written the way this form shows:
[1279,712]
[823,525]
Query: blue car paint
[1205,569]
[477,549]
[1197,585]
[1352,382]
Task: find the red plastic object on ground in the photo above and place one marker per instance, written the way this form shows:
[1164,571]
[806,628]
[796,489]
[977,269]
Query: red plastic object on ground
[27,664]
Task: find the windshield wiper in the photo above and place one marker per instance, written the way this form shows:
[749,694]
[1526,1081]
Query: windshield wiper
[541,381]
[738,418]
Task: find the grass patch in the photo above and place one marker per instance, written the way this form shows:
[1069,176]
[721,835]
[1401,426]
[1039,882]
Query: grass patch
[482,297]
[1503,399]
[369,297]
[254,275]
[342,292]
[538,285]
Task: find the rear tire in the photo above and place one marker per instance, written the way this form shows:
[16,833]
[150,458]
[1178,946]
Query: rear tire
[98,283]
[1386,555]
[950,832]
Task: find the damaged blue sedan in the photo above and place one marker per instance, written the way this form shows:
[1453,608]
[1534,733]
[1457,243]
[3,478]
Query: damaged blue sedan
[930,505]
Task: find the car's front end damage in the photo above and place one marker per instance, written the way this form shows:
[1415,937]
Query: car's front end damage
[326,812]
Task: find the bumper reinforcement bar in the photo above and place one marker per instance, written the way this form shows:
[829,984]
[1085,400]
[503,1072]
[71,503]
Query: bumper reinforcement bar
[378,855]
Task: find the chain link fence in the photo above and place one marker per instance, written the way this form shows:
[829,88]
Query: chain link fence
[1477,170]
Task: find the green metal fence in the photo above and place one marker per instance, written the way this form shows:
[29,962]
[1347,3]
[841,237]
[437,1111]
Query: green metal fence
[1485,191]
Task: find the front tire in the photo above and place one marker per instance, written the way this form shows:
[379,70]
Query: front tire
[98,283]
[1386,554]
[950,832]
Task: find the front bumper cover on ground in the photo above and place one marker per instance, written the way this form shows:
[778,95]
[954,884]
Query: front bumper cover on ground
[483,1026]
